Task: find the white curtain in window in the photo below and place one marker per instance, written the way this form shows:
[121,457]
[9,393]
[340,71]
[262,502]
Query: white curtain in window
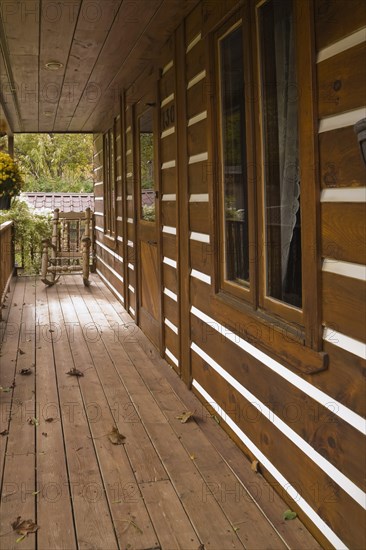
[287,107]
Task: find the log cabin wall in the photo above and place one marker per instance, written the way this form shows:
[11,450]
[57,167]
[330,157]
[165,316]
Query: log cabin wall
[291,394]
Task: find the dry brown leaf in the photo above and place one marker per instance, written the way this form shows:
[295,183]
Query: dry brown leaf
[25,372]
[50,419]
[24,527]
[45,434]
[21,352]
[75,372]
[4,432]
[33,421]
[255,466]
[185,416]
[115,437]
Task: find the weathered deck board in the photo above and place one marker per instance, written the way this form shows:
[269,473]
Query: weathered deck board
[54,507]
[170,486]
[19,477]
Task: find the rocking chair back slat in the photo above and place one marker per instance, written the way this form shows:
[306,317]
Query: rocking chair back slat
[71,248]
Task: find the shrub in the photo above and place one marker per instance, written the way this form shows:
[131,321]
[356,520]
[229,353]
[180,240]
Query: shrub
[30,229]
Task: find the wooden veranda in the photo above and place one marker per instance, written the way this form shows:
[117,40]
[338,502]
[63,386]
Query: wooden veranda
[169,485]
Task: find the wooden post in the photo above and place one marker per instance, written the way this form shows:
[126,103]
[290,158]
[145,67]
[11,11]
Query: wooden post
[11,145]
[44,265]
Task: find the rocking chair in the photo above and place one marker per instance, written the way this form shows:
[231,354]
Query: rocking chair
[70,248]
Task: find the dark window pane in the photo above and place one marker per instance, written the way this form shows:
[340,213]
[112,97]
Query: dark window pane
[147,186]
[281,152]
[234,175]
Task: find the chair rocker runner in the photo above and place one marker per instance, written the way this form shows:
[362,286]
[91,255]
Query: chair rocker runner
[69,249]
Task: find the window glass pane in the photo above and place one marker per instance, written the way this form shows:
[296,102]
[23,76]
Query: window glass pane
[112,195]
[235,200]
[147,187]
[281,152]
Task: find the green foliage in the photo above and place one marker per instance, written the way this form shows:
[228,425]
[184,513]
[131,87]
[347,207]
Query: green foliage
[56,162]
[30,229]
[147,160]
[148,212]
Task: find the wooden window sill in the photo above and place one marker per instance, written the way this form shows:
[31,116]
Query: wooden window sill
[282,341]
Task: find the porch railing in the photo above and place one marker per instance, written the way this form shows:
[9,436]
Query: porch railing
[6,258]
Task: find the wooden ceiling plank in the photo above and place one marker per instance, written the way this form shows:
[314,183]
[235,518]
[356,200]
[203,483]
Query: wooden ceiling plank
[87,43]
[144,51]
[131,21]
[9,119]
[20,21]
[58,25]
[25,70]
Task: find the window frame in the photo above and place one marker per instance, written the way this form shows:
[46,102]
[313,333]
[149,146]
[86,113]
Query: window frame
[243,292]
[142,111]
[307,320]
[109,182]
[266,302]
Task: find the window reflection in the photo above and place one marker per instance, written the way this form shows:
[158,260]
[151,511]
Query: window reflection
[147,186]
[233,143]
[281,152]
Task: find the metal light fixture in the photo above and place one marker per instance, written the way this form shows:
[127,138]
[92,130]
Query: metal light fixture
[360,130]
[54,65]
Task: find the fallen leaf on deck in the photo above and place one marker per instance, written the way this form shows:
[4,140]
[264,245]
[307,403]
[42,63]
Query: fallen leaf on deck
[289,514]
[216,418]
[75,372]
[45,434]
[36,493]
[24,527]
[115,437]
[50,419]
[25,372]
[131,522]
[51,330]
[33,421]
[5,390]
[21,351]
[185,416]
[255,466]
[192,457]
[4,432]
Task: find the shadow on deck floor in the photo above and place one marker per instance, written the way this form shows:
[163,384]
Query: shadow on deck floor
[169,485]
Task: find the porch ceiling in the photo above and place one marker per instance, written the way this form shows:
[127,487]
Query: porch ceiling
[103,46]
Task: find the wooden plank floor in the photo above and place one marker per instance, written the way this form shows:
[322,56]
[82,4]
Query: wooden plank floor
[169,485]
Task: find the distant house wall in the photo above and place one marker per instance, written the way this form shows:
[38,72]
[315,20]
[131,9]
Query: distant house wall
[287,385]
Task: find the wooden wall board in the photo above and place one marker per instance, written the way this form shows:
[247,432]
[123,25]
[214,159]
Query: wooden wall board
[300,470]
[343,231]
[201,256]
[340,159]
[313,422]
[336,19]
[344,305]
[170,278]
[342,81]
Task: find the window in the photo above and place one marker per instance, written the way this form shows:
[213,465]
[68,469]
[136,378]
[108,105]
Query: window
[260,219]
[281,172]
[235,202]
[109,184]
[147,185]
